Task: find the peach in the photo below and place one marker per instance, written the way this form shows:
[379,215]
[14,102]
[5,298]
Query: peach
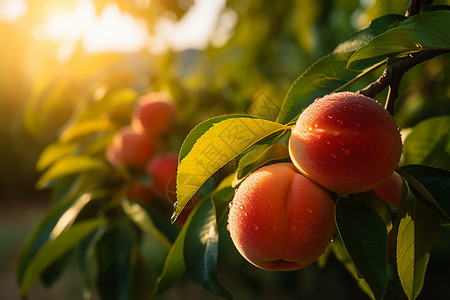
[153,114]
[346,143]
[131,148]
[139,192]
[279,219]
[391,189]
[162,169]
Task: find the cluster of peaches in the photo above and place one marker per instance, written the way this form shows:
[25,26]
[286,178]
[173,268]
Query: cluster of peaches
[282,215]
[138,148]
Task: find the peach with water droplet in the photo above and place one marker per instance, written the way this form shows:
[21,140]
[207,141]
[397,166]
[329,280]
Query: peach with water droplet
[280,220]
[359,148]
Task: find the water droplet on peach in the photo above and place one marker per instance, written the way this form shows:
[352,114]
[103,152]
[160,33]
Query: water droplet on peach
[335,133]
[309,210]
[332,155]
[310,128]
[330,117]
[340,121]
[255,226]
[316,125]
[327,142]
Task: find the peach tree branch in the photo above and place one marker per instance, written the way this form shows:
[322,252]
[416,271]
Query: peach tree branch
[393,74]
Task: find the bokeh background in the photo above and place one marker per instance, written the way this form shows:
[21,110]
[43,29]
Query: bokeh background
[214,56]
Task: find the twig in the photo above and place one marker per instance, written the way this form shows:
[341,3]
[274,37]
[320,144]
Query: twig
[393,75]
[415,6]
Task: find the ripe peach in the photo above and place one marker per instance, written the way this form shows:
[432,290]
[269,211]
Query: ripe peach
[391,189]
[153,114]
[162,170]
[279,219]
[346,143]
[139,192]
[130,148]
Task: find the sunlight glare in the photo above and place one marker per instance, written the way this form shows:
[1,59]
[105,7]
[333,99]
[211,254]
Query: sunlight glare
[12,10]
[113,31]
[195,29]
[120,32]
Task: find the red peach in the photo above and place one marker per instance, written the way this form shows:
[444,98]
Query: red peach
[139,192]
[346,142]
[279,219]
[154,114]
[391,189]
[131,148]
[162,169]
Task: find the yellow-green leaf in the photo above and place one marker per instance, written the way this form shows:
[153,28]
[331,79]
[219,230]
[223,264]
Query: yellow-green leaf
[417,230]
[70,165]
[216,147]
[52,153]
[87,127]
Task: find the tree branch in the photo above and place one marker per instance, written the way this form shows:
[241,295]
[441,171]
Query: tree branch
[393,74]
[415,6]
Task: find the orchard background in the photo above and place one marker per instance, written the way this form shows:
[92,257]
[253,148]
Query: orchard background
[71,225]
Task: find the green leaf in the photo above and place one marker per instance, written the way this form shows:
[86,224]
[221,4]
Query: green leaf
[55,248]
[174,266]
[142,219]
[363,36]
[430,183]
[140,278]
[364,235]
[264,107]
[378,205]
[429,143]
[342,255]
[201,248]
[40,236]
[70,165]
[52,273]
[85,255]
[417,230]
[329,74]
[77,130]
[114,262]
[257,157]
[222,196]
[216,147]
[199,130]
[425,31]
